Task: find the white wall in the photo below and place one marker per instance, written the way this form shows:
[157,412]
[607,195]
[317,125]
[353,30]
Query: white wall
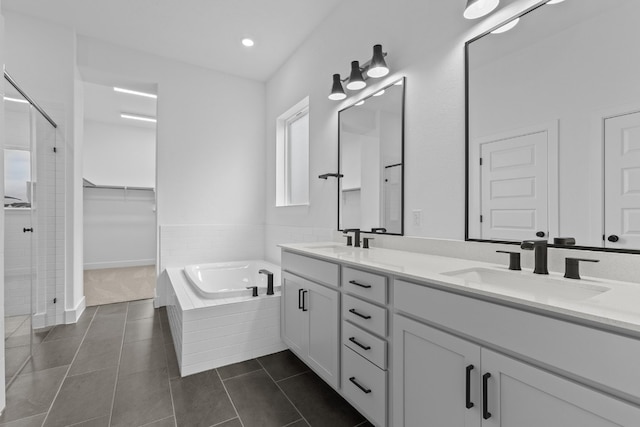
[425,43]
[119,155]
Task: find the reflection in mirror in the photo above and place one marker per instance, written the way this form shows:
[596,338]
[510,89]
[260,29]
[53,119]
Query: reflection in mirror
[553,136]
[370,152]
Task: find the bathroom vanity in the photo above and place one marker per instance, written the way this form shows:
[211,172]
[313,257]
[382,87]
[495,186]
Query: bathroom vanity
[412,339]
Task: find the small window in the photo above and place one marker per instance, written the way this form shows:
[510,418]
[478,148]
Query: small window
[292,156]
[17,178]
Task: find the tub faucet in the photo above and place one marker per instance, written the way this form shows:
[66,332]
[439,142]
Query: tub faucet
[269,280]
[356,235]
[539,248]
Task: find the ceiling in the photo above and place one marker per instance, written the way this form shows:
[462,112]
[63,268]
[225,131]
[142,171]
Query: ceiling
[103,104]
[207,33]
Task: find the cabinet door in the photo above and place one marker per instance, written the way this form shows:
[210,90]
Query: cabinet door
[430,370]
[520,395]
[294,323]
[321,304]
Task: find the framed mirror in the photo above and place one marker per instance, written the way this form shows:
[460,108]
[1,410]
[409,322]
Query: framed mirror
[553,127]
[371,162]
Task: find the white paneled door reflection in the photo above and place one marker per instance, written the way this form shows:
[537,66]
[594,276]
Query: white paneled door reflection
[514,199]
[622,182]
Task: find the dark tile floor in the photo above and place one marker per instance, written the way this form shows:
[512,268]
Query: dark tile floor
[117,367]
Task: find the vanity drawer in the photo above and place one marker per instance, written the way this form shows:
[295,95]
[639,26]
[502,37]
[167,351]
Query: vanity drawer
[311,268]
[367,285]
[365,314]
[365,385]
[372,348]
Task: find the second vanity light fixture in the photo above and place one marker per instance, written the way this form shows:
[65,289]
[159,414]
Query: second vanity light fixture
[374,68]
[479,8]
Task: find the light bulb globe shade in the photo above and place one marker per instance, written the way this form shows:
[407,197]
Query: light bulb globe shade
[377,67]
[356,81]
[479,8]
[337,92]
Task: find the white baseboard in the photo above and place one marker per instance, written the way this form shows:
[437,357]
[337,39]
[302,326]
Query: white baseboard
[72,316]
[119,264]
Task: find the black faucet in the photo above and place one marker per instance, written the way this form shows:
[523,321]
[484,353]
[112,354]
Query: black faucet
[356,234]
[539,248]
[269,280]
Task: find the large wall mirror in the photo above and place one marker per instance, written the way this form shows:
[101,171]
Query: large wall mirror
[553,127]
[370,153]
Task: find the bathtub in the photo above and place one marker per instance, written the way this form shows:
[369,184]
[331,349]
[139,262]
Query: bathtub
[214,320]
[231,279]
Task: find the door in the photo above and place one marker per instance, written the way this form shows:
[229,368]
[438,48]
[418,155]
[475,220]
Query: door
[520,395]
[514,187]
[435,377]
[321,304]
[294,320]
[622,182]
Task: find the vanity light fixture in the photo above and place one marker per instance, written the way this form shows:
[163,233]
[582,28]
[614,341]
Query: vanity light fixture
[374,68]
[356,81]
[506,27]
[138,117]
[337,91]
[19,101]
[479,8]
[135,92]
[377,66]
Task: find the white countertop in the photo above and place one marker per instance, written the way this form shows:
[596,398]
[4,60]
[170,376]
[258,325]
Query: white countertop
[617,309]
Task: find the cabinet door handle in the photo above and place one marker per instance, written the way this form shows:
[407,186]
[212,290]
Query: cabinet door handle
[353,282]
[469,403]
[304,307]
[362,346]
[300,302]
[364,316]
[364,389]
[485,399]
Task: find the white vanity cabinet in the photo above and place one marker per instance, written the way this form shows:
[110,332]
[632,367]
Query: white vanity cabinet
[310,315]
[441,379]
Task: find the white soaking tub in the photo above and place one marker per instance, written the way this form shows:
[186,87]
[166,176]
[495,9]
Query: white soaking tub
[215,320]
[231,279]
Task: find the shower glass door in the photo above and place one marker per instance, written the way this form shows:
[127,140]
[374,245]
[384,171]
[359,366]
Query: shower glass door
[31,241]
[19,272]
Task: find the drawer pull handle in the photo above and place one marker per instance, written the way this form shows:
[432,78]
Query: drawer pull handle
[304,307]
[362,346]
[485,399]
[364,316]
[353,282]
[300,304]
[364,389]
[469,403]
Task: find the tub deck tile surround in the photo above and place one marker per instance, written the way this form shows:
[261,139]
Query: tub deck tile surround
[112,381]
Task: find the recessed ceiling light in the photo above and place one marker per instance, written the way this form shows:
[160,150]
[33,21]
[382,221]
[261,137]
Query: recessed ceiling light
[138,117]
[506,27]
[135,92]
[247,42]
[20,101]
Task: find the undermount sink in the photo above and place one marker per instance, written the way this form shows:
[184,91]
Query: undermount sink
[336,249]
[527,285]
